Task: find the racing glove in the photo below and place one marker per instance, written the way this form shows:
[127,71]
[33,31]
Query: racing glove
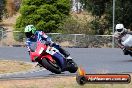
[56,45]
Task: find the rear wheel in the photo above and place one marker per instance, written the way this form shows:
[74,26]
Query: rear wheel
[51,66]
[72,66]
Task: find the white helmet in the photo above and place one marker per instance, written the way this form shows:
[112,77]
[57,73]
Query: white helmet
[120,28]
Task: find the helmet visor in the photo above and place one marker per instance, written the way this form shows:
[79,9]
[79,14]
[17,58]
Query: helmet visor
[28,34]
[119,30]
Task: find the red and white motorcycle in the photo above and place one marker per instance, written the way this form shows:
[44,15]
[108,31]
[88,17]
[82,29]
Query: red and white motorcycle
[51,59]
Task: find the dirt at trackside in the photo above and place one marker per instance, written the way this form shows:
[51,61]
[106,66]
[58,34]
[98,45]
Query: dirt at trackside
[8,66]
[44,82]
[55,82]
[51,82]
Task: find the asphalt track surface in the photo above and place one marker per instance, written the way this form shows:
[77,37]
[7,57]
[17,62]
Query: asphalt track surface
[93,60]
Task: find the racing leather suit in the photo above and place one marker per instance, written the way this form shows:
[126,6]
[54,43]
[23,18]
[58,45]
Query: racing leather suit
[41,36]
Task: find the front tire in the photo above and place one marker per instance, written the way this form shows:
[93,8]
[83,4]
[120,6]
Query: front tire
[53,67]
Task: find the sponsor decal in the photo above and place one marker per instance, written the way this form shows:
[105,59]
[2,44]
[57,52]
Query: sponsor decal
[83,78]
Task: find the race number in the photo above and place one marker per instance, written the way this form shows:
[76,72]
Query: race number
[51,50]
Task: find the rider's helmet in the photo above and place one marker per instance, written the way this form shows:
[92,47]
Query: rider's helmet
[29,30]
[120,28]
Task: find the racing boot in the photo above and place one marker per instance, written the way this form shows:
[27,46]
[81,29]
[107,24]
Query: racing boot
[65,53]
[125,51]
[38,65]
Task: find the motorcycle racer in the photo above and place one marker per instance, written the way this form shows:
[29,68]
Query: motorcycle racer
[33,36]
[120,35]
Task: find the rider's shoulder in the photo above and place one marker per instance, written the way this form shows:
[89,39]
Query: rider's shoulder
[28,40]
[116,33]
[40,32]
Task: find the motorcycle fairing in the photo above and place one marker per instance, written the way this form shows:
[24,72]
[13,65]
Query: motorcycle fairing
[61,59]
[127,41]
[33,56]
[51,50]
[39,50]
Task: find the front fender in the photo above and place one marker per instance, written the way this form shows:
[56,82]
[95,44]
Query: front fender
[33,56]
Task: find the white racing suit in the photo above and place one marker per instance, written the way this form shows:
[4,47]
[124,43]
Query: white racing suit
[124,40]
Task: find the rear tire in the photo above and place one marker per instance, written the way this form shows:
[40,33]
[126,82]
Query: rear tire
[53,67]
[72,66]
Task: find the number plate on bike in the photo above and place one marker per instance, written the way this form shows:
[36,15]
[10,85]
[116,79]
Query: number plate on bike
[51,50]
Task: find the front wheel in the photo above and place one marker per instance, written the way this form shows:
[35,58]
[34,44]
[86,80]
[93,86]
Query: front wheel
[51,66]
